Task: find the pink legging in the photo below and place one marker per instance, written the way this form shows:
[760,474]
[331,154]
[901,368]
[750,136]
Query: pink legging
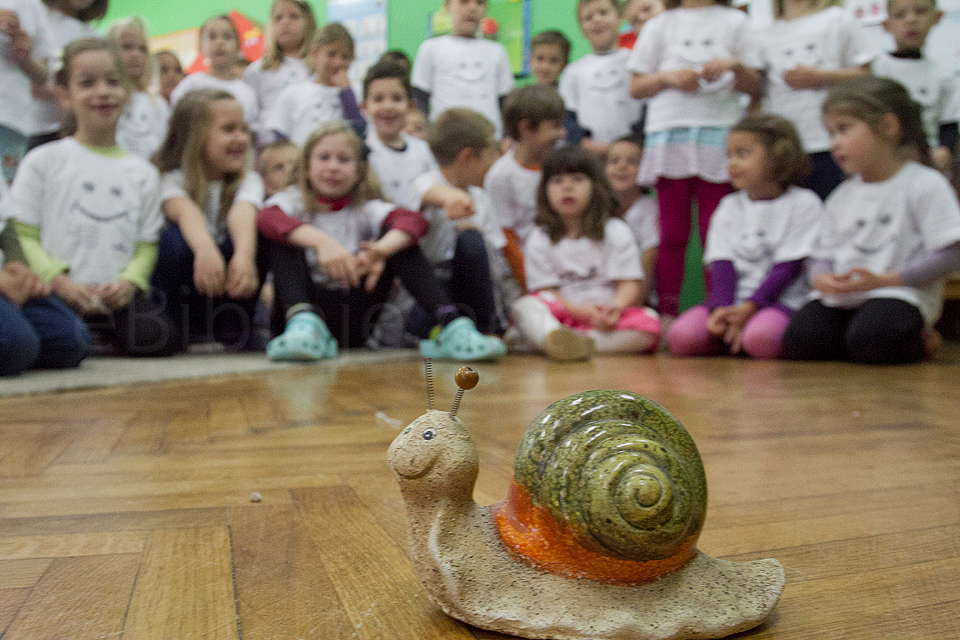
[675,196]
[762,336]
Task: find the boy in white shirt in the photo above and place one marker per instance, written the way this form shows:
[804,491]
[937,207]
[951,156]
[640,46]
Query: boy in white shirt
[931,85]
[463,143]
[596,88]
[461,70]
[533,117]
[396,157]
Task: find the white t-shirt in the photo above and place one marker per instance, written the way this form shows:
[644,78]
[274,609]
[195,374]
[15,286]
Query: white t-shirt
[687,39]
[933,86]
[441,239]
[597,88]
[237,88]
[643,216]
[301,108]
[882,226]
[47,114]
[463,72]
[830,40]
[513,190]
[584,271]
[91,209]
[756,234]
[267,84]
[15,98]
[173,185]
[398,168]
[350,226]
[143,124]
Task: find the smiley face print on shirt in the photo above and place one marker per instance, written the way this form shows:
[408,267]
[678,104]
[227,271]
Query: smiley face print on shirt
[752,247]
[103,225]
[100,202]
[871,236]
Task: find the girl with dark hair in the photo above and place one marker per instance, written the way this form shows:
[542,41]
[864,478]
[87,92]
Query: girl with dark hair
[583,267]
[289,34]
[758,241]
[890,235]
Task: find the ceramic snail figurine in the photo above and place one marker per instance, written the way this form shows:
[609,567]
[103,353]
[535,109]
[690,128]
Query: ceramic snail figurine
[596,538]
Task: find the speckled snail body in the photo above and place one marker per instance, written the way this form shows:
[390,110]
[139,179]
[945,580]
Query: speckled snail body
[596,538]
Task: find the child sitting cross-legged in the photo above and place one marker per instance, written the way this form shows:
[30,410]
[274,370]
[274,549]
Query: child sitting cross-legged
[758,240]
[336,250]
[461,230]
[583,267]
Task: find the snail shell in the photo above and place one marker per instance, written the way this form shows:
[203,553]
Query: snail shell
[607,485]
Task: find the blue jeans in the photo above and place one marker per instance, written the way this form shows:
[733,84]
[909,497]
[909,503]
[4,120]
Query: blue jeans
[199,317]
[43,334]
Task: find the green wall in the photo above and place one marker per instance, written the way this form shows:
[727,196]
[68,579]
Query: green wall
[164,16]
[407,19]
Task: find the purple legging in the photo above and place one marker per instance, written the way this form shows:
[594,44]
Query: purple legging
[675,197]
[762,336]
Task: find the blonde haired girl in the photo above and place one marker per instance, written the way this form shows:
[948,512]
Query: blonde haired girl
[289,33]
[303,106]
[336,251]
[143,124]
[211,265]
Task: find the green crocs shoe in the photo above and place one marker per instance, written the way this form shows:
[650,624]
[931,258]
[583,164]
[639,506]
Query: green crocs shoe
[460,340]
[306,339]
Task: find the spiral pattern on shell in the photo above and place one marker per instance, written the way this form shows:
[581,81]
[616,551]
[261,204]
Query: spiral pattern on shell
[618,470]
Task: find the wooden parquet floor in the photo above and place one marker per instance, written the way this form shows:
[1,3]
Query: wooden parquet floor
[127,512]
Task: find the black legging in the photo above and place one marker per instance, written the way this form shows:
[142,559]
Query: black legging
[351,314]
[469,283]
[880,331]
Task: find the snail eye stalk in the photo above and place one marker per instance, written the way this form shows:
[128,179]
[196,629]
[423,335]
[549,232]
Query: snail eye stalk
[428,365]
[466,379]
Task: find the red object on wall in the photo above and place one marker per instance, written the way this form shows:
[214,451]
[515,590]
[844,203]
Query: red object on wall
[252,41]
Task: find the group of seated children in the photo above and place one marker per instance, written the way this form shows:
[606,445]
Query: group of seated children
[551,246]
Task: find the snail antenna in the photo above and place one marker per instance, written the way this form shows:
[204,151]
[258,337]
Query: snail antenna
[428,365]
[466,379]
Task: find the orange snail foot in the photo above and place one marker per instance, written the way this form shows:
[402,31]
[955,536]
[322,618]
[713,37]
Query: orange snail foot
[531,532]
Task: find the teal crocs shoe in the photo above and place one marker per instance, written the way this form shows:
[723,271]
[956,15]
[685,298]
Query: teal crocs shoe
[306,339]
[460,340]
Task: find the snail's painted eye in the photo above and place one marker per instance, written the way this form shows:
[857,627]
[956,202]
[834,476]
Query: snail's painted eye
[407,430]
[430,434]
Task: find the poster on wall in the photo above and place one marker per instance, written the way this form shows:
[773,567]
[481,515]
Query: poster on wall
[507,22]
[366,20]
